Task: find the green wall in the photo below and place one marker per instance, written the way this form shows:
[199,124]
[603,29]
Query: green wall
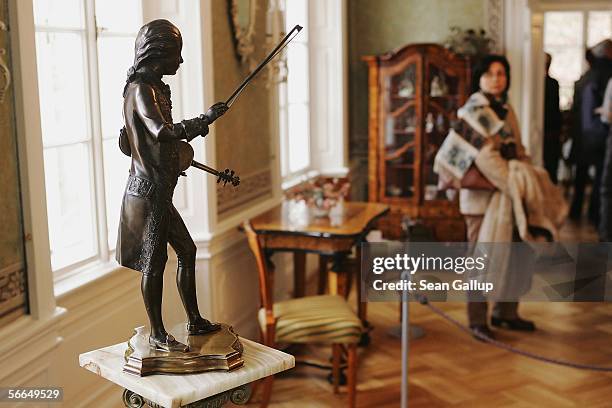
[244,134]
[379,26]
[12,262]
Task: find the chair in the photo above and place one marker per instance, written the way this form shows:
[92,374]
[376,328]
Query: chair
[323,319]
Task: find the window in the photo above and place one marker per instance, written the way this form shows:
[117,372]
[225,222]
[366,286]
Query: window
[294,99]
[567,35]
[84,48]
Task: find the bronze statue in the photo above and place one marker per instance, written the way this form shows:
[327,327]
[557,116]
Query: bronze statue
[149,220]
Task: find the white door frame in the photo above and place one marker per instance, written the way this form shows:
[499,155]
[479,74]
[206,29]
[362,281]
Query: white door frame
[524,47]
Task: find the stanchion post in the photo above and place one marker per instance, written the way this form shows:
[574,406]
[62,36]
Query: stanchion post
[405,337]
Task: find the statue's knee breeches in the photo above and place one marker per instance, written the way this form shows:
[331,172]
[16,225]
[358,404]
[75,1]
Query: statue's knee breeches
[180,240]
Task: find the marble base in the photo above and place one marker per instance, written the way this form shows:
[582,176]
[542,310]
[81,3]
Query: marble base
[220,350]
[173,391]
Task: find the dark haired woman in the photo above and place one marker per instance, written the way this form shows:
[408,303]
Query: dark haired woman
[488,137]
[149,221]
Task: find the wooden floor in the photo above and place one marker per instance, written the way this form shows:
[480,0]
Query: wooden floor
[449,368]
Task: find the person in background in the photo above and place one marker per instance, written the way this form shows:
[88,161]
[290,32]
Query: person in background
[578,156]
[606,109]
[593,131]
[605,224]
[552,124]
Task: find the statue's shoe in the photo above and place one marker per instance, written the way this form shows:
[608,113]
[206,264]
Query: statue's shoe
[203,326]
[170,344]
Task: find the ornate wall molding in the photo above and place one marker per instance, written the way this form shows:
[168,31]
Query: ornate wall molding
[251,187]
[12,288]
[494,15]
[275,31]
[244,31]
[5,73]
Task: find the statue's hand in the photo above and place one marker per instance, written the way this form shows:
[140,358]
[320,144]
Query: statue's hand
[218,109]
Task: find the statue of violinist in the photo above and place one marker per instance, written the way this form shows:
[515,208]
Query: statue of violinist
[149,221]
[160,153]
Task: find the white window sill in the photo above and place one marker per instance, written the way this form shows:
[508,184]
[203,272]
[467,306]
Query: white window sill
[290,182]
[84,276]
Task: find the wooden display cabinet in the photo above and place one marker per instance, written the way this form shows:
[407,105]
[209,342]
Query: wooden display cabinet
[414,94]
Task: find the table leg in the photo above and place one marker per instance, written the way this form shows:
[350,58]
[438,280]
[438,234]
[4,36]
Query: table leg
[362,306]
[299,273]
[338,278]
[322,284]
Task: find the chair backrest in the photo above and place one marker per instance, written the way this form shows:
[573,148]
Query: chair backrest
[265,271]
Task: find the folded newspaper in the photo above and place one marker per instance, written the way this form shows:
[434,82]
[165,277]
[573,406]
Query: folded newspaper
[455,156]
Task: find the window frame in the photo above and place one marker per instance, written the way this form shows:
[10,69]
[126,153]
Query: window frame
[585,12]
[288,177]
[90,32]
[327,46]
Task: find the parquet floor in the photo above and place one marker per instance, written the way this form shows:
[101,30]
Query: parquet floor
[447,368]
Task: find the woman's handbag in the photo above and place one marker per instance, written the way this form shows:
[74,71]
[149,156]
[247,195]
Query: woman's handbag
[455,166]
[473,179]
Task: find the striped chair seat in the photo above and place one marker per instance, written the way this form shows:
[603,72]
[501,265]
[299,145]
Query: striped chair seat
[323,319]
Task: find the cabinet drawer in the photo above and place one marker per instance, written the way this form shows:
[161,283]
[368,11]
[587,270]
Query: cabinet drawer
[449,229]
[439,211]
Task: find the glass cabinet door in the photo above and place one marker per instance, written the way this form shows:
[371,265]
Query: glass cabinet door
[399,134]
[442,99]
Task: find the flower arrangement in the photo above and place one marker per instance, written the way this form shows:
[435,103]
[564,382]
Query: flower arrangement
[320,194]
[470,42]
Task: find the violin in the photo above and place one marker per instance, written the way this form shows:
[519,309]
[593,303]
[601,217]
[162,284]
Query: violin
[186,160]
[185,154]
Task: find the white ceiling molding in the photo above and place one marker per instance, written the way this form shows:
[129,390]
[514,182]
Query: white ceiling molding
[567,5]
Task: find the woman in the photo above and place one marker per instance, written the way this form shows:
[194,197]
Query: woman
[503,196]
[149,221]
[489,124]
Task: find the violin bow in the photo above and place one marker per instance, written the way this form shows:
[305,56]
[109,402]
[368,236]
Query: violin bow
[228,175]
[294,31]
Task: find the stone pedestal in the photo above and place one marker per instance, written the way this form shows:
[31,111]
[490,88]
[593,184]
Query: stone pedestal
[208,389]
